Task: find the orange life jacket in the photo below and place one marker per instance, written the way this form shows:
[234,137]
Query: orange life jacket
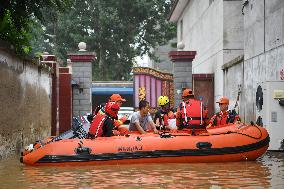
[117,122]
[96,128]
[223,118]
[192,114]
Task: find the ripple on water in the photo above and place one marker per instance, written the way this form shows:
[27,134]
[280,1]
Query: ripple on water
[266,172]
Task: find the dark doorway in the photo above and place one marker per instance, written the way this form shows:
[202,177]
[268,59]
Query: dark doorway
[203,86]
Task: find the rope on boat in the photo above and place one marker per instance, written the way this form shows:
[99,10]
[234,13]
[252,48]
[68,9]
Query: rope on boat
[228,132]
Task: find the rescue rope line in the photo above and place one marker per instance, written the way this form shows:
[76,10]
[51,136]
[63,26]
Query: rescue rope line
[228,132]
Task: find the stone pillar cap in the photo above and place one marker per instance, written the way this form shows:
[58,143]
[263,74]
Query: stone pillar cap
[82,46]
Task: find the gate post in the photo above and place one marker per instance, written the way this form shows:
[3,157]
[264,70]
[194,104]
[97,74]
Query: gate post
[82,75]
[182,61]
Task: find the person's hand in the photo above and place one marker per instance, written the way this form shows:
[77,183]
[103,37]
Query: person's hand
[208,126]
[115,132]
[144,132]
[156,131]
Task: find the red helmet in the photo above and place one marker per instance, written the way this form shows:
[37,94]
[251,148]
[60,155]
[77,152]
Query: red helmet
[112,109]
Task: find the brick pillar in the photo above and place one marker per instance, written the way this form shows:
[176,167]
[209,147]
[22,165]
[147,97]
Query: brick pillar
[65,99]
[182,72]
[50,60]
[82,75]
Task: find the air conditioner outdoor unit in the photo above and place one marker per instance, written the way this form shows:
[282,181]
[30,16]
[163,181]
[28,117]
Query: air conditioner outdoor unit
[270,111]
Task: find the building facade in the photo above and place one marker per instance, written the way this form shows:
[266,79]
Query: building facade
[239,42]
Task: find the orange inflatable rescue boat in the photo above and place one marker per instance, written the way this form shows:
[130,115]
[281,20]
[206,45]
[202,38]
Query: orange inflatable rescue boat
[236,142]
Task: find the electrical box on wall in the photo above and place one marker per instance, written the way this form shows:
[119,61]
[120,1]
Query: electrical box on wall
[270,112]
[278,94]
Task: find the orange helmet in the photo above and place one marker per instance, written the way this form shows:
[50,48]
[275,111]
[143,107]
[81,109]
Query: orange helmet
[187,92]
[112,109]
[223,100]
[116,97]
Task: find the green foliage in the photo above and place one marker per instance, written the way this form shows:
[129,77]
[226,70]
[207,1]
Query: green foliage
[117,30]
[17,16]
[18,38]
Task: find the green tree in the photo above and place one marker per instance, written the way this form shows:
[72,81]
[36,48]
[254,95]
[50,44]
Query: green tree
[17,18]
[117,30]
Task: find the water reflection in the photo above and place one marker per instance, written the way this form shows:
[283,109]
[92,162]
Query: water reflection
[267,172]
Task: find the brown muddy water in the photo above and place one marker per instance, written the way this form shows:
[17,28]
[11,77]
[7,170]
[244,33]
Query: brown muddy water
[266,172]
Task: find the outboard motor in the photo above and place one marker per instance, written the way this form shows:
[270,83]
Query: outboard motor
[78,130]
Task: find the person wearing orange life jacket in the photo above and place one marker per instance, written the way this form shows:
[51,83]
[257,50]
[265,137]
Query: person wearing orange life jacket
[190,113]
[164,113]
[113,98]
[224,116]
[103,124]
[118,99]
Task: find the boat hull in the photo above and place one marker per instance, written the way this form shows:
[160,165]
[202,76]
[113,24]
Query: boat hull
[223,144]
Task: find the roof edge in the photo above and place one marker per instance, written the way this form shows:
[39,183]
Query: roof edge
[177,10]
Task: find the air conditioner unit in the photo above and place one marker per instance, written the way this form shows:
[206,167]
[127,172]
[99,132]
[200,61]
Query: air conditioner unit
[270,111]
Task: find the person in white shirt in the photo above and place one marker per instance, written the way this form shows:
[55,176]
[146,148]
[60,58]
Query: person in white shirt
[141,121]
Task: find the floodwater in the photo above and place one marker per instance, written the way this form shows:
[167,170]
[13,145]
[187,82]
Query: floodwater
[266,172]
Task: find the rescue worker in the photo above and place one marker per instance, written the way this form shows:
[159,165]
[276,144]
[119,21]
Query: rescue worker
[103,124]
[163,114]
[141,120]
[224,116]
[190,113]
[117,99]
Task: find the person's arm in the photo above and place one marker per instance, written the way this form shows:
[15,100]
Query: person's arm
[139,128]
[119,122]
[153,126]
[211,122]
[237,119]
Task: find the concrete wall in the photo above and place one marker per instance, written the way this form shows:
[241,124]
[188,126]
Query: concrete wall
[233,41]
[264,49]
[233,30]
[220,33]
[234,82]
[25,108]
[203,32]
[215,31]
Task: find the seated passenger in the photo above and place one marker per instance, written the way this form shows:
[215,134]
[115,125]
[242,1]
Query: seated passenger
[141,120]
[103,124]
[224,116]
[164,115]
